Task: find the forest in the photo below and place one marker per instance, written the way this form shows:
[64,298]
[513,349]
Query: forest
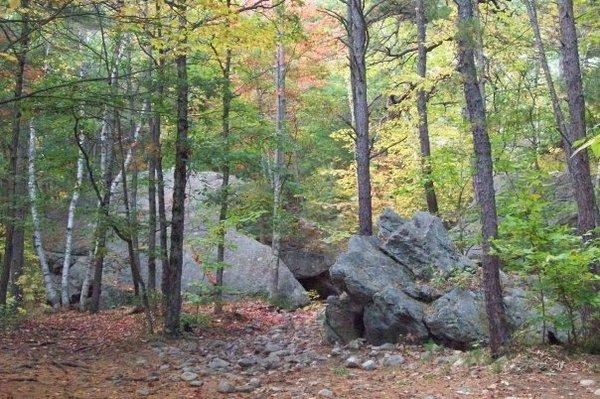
[299,198]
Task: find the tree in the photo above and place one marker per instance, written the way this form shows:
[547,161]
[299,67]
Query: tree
[278,168]
[172,276]
[358,42]
[484,175]
[12,261]
[579,164]
[421,22]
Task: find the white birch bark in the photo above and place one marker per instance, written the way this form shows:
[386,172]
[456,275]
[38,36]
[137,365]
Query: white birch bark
[129,157]
[64,282]
[37,233]
[104,152]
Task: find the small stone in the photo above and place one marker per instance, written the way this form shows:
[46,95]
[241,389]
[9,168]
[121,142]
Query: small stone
[246,362]
[586,383]
[352,362]
[250,386]
[597,392]
[143,392]
[141,361]
[188,376]
[464,391]
[325,393]
[369,365]
[225,387]
[152,377]
[271,347]
[458,363]
[218,364]
[355,344]
[337,350]
[385,347]
[196,383]
[393,360]
[164,367]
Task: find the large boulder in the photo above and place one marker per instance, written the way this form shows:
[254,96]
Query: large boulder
[458,319]
[343,319]
[421,244]
[249,261]
[309,257]
[364,270]
[395,281]
[393,315]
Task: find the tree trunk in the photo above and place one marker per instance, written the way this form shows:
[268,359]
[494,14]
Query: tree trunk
[18,256]
[64,282]
[101,228]
[131,235]
[51,295]
[172,294]
[484,179]
[430,197]
[10,252]
[358,43]
[579,164]
[575,166]
[151,215]
[278,170]
[224,194]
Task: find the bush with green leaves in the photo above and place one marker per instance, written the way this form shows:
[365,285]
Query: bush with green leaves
[552,257]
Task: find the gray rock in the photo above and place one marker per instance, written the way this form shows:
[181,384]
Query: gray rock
[196,383]
[394,316]
[218,364]
[325,393]
[364,270]
[369,365]
[143,391]
[273,347]
[188,376]
[343,319]
[246,362]
[352,362]
[249,261]
[393,360]
[421,244]
[458,319]
[250,386]
[225,386]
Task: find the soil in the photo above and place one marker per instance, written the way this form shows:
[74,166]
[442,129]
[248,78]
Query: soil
[109,355]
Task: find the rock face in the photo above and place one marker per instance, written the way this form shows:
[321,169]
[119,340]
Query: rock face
[393,288]
[249,261]
[309,258]
[421,244]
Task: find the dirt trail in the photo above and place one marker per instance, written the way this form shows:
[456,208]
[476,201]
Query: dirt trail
[76,355]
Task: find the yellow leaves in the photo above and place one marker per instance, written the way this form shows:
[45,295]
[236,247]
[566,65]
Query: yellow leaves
[13,4]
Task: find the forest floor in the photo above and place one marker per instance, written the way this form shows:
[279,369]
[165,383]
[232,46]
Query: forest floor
[255,351]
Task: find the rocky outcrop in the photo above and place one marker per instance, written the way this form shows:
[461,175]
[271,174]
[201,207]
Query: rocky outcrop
[309,257]
[249,261]
[395,288]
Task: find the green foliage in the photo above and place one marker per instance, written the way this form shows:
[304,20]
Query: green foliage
[194,321]
[552,256]
[11,315]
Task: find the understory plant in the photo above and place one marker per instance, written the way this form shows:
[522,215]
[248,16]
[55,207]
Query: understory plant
[553,259]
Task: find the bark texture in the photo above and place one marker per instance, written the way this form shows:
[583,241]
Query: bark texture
[358,41]
[578,164]
[484,178]
[430,196]
[172,286]
[51,295]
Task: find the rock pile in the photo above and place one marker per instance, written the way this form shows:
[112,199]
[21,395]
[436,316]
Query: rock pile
[393,288]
